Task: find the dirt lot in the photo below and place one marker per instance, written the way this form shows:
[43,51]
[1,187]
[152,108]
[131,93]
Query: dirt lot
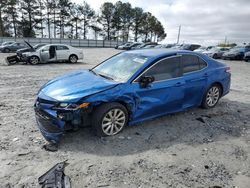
[173,151]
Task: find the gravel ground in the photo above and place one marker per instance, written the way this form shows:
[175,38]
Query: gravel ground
[173,151]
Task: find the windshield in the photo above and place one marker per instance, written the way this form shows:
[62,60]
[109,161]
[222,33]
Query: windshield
[214,50]
[37,46]
[202,48]
[185,47]
[120,67]
[6,43]
[238,49]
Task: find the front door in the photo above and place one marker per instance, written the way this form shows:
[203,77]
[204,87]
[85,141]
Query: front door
[48,53]
[162,96]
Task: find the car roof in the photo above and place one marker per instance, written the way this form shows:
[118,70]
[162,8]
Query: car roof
[157,52]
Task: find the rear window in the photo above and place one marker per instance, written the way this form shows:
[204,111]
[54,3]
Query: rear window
[62,48]
[191,63]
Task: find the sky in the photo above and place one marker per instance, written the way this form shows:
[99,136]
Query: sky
[202,21]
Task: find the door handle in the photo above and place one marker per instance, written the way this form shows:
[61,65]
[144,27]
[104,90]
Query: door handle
[205,75]
[178,84]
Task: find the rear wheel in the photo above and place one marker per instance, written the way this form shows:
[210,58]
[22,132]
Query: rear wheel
[34,60]
[109,119]
[6,50]
[212,96]
[73,58]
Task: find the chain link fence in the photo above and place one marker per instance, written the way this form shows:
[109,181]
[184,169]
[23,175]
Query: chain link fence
[72,42]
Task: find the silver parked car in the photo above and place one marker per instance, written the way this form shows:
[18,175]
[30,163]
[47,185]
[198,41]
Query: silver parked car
[216,52]
[53,53]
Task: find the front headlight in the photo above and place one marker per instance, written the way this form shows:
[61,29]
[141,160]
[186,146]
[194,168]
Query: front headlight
[71,106]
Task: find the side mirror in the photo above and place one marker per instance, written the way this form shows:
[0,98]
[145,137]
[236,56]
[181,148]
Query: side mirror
[145,80]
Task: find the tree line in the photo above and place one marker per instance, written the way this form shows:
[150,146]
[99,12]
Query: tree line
[65,19]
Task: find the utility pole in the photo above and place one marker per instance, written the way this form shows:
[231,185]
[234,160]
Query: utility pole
[225,40]
[179,33]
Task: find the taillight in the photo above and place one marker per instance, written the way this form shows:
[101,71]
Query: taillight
[228,70]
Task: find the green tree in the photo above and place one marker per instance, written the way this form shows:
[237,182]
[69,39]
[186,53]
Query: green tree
[64,15]
[49,6]
[41,15]
[106,17]
[75,19]
[94,26]
[2,8]
[137,22]
[30,20]
[87,13]
[11,12]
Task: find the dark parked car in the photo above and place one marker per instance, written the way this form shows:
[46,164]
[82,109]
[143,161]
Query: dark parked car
[132,45]
[13,47]
[216,52]
[144,45]
[121,47]
[247,56]
[150,46]
[203,49]
[236,53]
[116,46]
[7,43]
[129,88]
[190,47]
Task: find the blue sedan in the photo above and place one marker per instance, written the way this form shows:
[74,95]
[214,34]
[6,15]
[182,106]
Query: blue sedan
[129,88]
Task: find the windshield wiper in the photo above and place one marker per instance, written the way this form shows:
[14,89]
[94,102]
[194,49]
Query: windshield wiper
[107,77]
[91,70]
[102,75]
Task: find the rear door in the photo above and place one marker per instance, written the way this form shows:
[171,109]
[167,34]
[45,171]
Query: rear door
[162,96]
[62,52]
[195,77]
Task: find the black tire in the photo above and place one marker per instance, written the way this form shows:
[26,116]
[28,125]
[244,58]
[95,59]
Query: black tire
[101,112]
[6,50]
[205,104]
[34,60]
[73,58]
[215,56]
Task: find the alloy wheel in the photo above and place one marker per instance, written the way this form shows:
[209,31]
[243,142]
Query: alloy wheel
[113,121]
[213,96]
[73,59]
[34,60]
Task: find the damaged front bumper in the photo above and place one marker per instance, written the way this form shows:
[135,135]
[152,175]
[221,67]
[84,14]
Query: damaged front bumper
[54,122]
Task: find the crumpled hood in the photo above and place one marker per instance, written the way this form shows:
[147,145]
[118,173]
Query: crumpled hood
[76,85]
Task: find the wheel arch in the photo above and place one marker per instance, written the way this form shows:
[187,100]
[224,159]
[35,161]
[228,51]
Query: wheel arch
[74,55]
[218,84]
[34,56]
[123,103]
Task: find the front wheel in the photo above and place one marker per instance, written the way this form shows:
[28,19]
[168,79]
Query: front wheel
[215,56]
[33,60]
[73,59]
[211,97]
[109,119]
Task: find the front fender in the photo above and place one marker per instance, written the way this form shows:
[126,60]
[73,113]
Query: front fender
[116,94]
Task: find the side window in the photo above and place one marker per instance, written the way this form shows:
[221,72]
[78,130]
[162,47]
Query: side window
[62,48]
[203,64]
[190,63]
[46,48]
[165,69]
